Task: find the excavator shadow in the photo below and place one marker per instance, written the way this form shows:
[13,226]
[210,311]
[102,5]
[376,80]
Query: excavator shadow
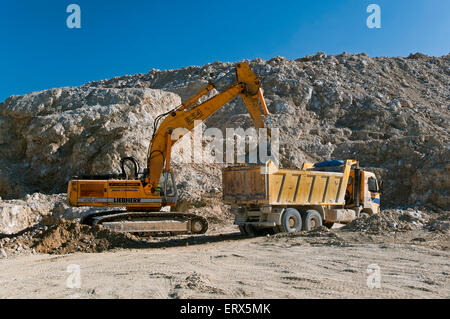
[191,240]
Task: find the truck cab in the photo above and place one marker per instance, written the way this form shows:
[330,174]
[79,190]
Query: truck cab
[370,193]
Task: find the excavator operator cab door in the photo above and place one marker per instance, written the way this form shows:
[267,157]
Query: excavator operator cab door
[168,188]
[371,193]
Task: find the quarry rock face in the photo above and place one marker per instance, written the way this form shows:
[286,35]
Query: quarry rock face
[47,137]
[391,114]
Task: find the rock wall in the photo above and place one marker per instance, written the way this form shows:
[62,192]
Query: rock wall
[47,137]
[392,114]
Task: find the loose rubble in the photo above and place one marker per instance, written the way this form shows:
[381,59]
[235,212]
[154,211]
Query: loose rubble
[65,237]
[440,223]
[390,220]
[19,214]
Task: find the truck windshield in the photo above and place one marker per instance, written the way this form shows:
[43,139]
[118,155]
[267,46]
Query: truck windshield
[373,187]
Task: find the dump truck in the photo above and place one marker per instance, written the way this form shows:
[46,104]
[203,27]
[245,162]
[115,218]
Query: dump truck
[264,197]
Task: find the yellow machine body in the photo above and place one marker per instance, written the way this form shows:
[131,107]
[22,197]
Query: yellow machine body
[114,193]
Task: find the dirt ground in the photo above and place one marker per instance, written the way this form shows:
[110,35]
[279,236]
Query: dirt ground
[224,264]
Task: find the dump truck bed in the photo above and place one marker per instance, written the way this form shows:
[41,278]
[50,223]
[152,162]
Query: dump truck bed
[268,185]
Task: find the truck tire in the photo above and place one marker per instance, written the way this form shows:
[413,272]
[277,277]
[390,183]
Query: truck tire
[312,220]
[291,221]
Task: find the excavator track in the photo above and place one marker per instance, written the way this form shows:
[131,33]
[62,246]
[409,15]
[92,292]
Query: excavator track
[148,223]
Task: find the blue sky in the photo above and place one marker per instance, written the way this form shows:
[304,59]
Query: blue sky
[38,51]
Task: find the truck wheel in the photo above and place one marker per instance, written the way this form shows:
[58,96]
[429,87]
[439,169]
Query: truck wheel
[312,220]
[291,221]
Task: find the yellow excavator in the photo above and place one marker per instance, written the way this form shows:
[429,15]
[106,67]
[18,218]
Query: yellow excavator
[149,191]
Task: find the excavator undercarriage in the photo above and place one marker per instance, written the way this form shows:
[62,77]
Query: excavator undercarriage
[148,223]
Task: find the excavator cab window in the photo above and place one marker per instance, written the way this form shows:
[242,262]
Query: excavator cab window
[167,187]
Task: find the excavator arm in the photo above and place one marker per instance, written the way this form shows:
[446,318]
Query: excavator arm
[248,86]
